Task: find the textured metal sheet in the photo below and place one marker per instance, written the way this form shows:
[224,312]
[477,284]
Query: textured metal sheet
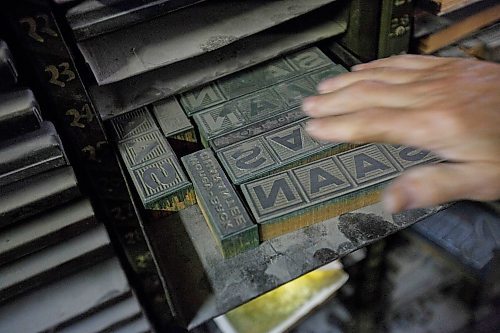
[133,124]
[225,213]
[54,304]
[33,153]
[19,113]
[175,37]
[126,95]
[95,17]
[45,230]
[270,152]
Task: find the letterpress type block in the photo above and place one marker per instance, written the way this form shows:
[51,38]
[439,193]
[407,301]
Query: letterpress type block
[225,214]
[8,72]
[133,124]
[271,152]
[327,72]
[407,157]
[173,122]
[32,153]
[201,98]
[19,114]
[308,60]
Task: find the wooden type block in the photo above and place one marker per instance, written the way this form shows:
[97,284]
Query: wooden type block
[45,230]
[8,71]
[253,79]
[54,262]
[224,212]
[140,325]
[36,194]
[271,152]
[312,193]
[133,124]
[108,319]
[173,121]
[156,173]
[33,153]
[19,113]
[72,297]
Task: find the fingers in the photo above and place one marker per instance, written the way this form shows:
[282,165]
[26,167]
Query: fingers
[437,184]
[407,61]
[361,95]
[383,74]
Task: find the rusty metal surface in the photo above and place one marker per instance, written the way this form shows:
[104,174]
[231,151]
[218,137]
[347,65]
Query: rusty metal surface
[114,99]
[184,34]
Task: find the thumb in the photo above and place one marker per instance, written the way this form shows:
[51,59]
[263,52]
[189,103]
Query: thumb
[432,185]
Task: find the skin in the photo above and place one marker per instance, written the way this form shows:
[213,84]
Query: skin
[448,106]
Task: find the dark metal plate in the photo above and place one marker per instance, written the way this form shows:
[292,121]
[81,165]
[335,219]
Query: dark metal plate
[19,113]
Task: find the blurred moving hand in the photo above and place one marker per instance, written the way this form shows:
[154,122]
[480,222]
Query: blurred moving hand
[448,106]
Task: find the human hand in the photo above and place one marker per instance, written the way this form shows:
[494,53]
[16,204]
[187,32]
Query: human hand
[448,106]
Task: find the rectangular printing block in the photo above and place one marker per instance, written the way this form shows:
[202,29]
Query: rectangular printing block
[19,113]
[253,79]
[8,72]
[224,212]
[173,121]
[132,124]
[243,111]
[156,173]
[271,152]
[314,192]
[30,154]
[45,230]
[36,194]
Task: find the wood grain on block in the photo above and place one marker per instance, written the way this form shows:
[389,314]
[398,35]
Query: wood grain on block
[30,154]
[314,192]
[224,212]
[173,121]
[133,124]
[19,113]
[156,173]
[8,71]
[54,262]
[36,194]
[45,230]
[54,304]
[273,151]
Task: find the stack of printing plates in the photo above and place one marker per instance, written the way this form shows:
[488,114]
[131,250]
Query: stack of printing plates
[56,260]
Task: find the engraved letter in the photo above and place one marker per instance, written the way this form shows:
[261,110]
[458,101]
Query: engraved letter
[216,123]
[412,154]
[292,141]
[268,201]
[365,163]
[142,149]
[320,178]
[154,176]
[309,60]
[205,95]
[248,159]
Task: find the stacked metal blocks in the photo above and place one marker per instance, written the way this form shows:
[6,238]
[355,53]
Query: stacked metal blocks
[56,259]
[152,163]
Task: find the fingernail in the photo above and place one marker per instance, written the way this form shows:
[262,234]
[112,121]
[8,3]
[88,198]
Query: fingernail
[308,105]
[312,126]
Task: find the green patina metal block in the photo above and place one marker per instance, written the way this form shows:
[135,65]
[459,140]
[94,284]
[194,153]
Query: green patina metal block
[156,173]
[132,124]
[271,152]
[224,212]
[314,192]
[173,121]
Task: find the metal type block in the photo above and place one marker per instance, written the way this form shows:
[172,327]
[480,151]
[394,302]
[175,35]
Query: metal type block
[201,98]
[368,164]
[308,59]
[256,128]
[35,194]
[53,305]
[172,120]
[224,212]
[8,71]
[30,154]
[312,193]
[108,319]
[218,120]
[162,185]
[144,148]
[54,262]
[324,73]
[407,157]
[19,113]
[294,91]
[271,152]
[45,230]
[133,124]
[91,18]
[259,105]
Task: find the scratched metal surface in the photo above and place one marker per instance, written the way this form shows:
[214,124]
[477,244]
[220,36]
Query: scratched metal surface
[126,95]
[184,34]
[199,265]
